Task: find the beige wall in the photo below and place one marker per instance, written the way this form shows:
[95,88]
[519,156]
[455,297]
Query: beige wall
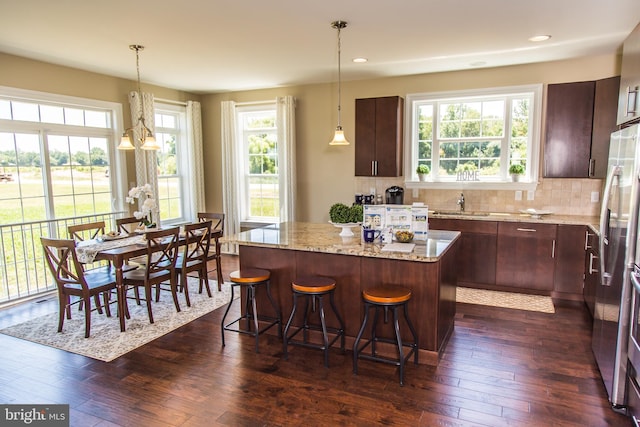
[22,73]
[325,174]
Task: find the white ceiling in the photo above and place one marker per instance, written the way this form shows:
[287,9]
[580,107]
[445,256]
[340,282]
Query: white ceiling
[206,46]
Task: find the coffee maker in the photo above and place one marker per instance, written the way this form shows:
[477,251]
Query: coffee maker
[394,195]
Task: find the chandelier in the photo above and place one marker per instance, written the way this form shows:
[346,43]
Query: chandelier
[338,138]
[147,140]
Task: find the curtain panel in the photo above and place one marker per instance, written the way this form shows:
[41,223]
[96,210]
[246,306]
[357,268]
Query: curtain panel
[194,147]
[230,167]
[146,160]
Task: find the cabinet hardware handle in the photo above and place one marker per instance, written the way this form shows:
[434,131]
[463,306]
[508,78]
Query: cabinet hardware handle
[553,249]
[592,167]
[586,240]
[528,230]
[591,258]
[635,421]
[374,167]
[632,96]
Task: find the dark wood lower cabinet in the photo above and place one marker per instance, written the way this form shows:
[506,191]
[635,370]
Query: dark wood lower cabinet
[570,255]
[539,258]
[525,255]
[591,270]
[477,251]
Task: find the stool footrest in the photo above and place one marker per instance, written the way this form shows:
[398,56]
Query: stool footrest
[273,321]
[389,360]
[338,333]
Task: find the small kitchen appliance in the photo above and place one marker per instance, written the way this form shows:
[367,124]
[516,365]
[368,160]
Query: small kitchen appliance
[394,195]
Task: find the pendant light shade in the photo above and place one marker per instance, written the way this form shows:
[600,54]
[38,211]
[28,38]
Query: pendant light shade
[338,138]
[125,143]
[147,140]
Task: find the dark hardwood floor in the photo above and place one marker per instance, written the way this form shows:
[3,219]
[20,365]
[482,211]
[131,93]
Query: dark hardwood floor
[501,367]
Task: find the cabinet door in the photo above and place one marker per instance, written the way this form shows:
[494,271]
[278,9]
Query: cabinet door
[379,130]
[477,250]
[591,274]
[567,147]
[604,124]
[365,136]
[389,130]
[570,252]
[629,101]
[525,255]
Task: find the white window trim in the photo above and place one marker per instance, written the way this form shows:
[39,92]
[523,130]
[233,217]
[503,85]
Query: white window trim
[117,159]
[533,151]
[184,159]
[246,219]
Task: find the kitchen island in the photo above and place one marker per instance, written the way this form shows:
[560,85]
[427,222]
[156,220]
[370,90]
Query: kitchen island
[295,249]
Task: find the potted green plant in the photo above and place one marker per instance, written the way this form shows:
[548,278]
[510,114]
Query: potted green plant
[516,169]
[423,171]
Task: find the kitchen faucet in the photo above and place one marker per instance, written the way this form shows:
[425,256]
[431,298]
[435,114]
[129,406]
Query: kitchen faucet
[461,202]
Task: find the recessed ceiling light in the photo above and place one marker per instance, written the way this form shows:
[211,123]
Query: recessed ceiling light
[540,38]
[360,59]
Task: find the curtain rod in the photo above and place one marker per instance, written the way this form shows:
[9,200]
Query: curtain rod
[171,101]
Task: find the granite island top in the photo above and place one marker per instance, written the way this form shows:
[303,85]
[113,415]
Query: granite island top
[318,237]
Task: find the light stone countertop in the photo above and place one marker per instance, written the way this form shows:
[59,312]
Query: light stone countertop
[318,237]
[591,221]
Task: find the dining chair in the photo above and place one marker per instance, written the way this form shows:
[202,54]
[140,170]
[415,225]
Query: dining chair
[72,280]
[217,231]
[87,231]
[162,253]
[127,225]
[194,257]
[90,231]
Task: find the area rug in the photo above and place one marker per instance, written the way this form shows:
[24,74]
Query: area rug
[513,300]
[106,342]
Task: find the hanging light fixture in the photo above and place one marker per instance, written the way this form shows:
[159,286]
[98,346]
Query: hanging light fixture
[338,138]
[147,140]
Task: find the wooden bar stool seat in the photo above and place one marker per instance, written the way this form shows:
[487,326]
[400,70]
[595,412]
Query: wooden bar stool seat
[386,297]
[250,278]
[313,289]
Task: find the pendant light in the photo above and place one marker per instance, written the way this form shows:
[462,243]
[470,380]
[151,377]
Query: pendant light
[147,140]
[338,138]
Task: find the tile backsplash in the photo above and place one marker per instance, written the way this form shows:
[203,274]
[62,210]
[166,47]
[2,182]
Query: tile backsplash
[562,196]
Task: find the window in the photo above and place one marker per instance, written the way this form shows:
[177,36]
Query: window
[474,137]
[56,156]
[260,182]
[170,126]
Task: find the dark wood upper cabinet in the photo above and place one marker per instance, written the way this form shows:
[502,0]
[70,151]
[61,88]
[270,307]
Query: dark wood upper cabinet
[629,96]
[604,124]
[580,119]
[379,131]
[567,146]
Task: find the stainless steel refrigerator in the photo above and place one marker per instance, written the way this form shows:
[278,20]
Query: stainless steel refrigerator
[618,227]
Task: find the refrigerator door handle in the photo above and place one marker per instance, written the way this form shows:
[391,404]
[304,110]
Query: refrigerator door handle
[635,279]
[605,216]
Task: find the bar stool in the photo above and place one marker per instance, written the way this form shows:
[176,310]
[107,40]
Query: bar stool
[250,278]
[313,288]
[386,297]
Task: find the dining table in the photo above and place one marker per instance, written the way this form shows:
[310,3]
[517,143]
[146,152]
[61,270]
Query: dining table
[117,250]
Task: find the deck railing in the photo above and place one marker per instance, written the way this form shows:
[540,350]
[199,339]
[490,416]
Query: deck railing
[23,269]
